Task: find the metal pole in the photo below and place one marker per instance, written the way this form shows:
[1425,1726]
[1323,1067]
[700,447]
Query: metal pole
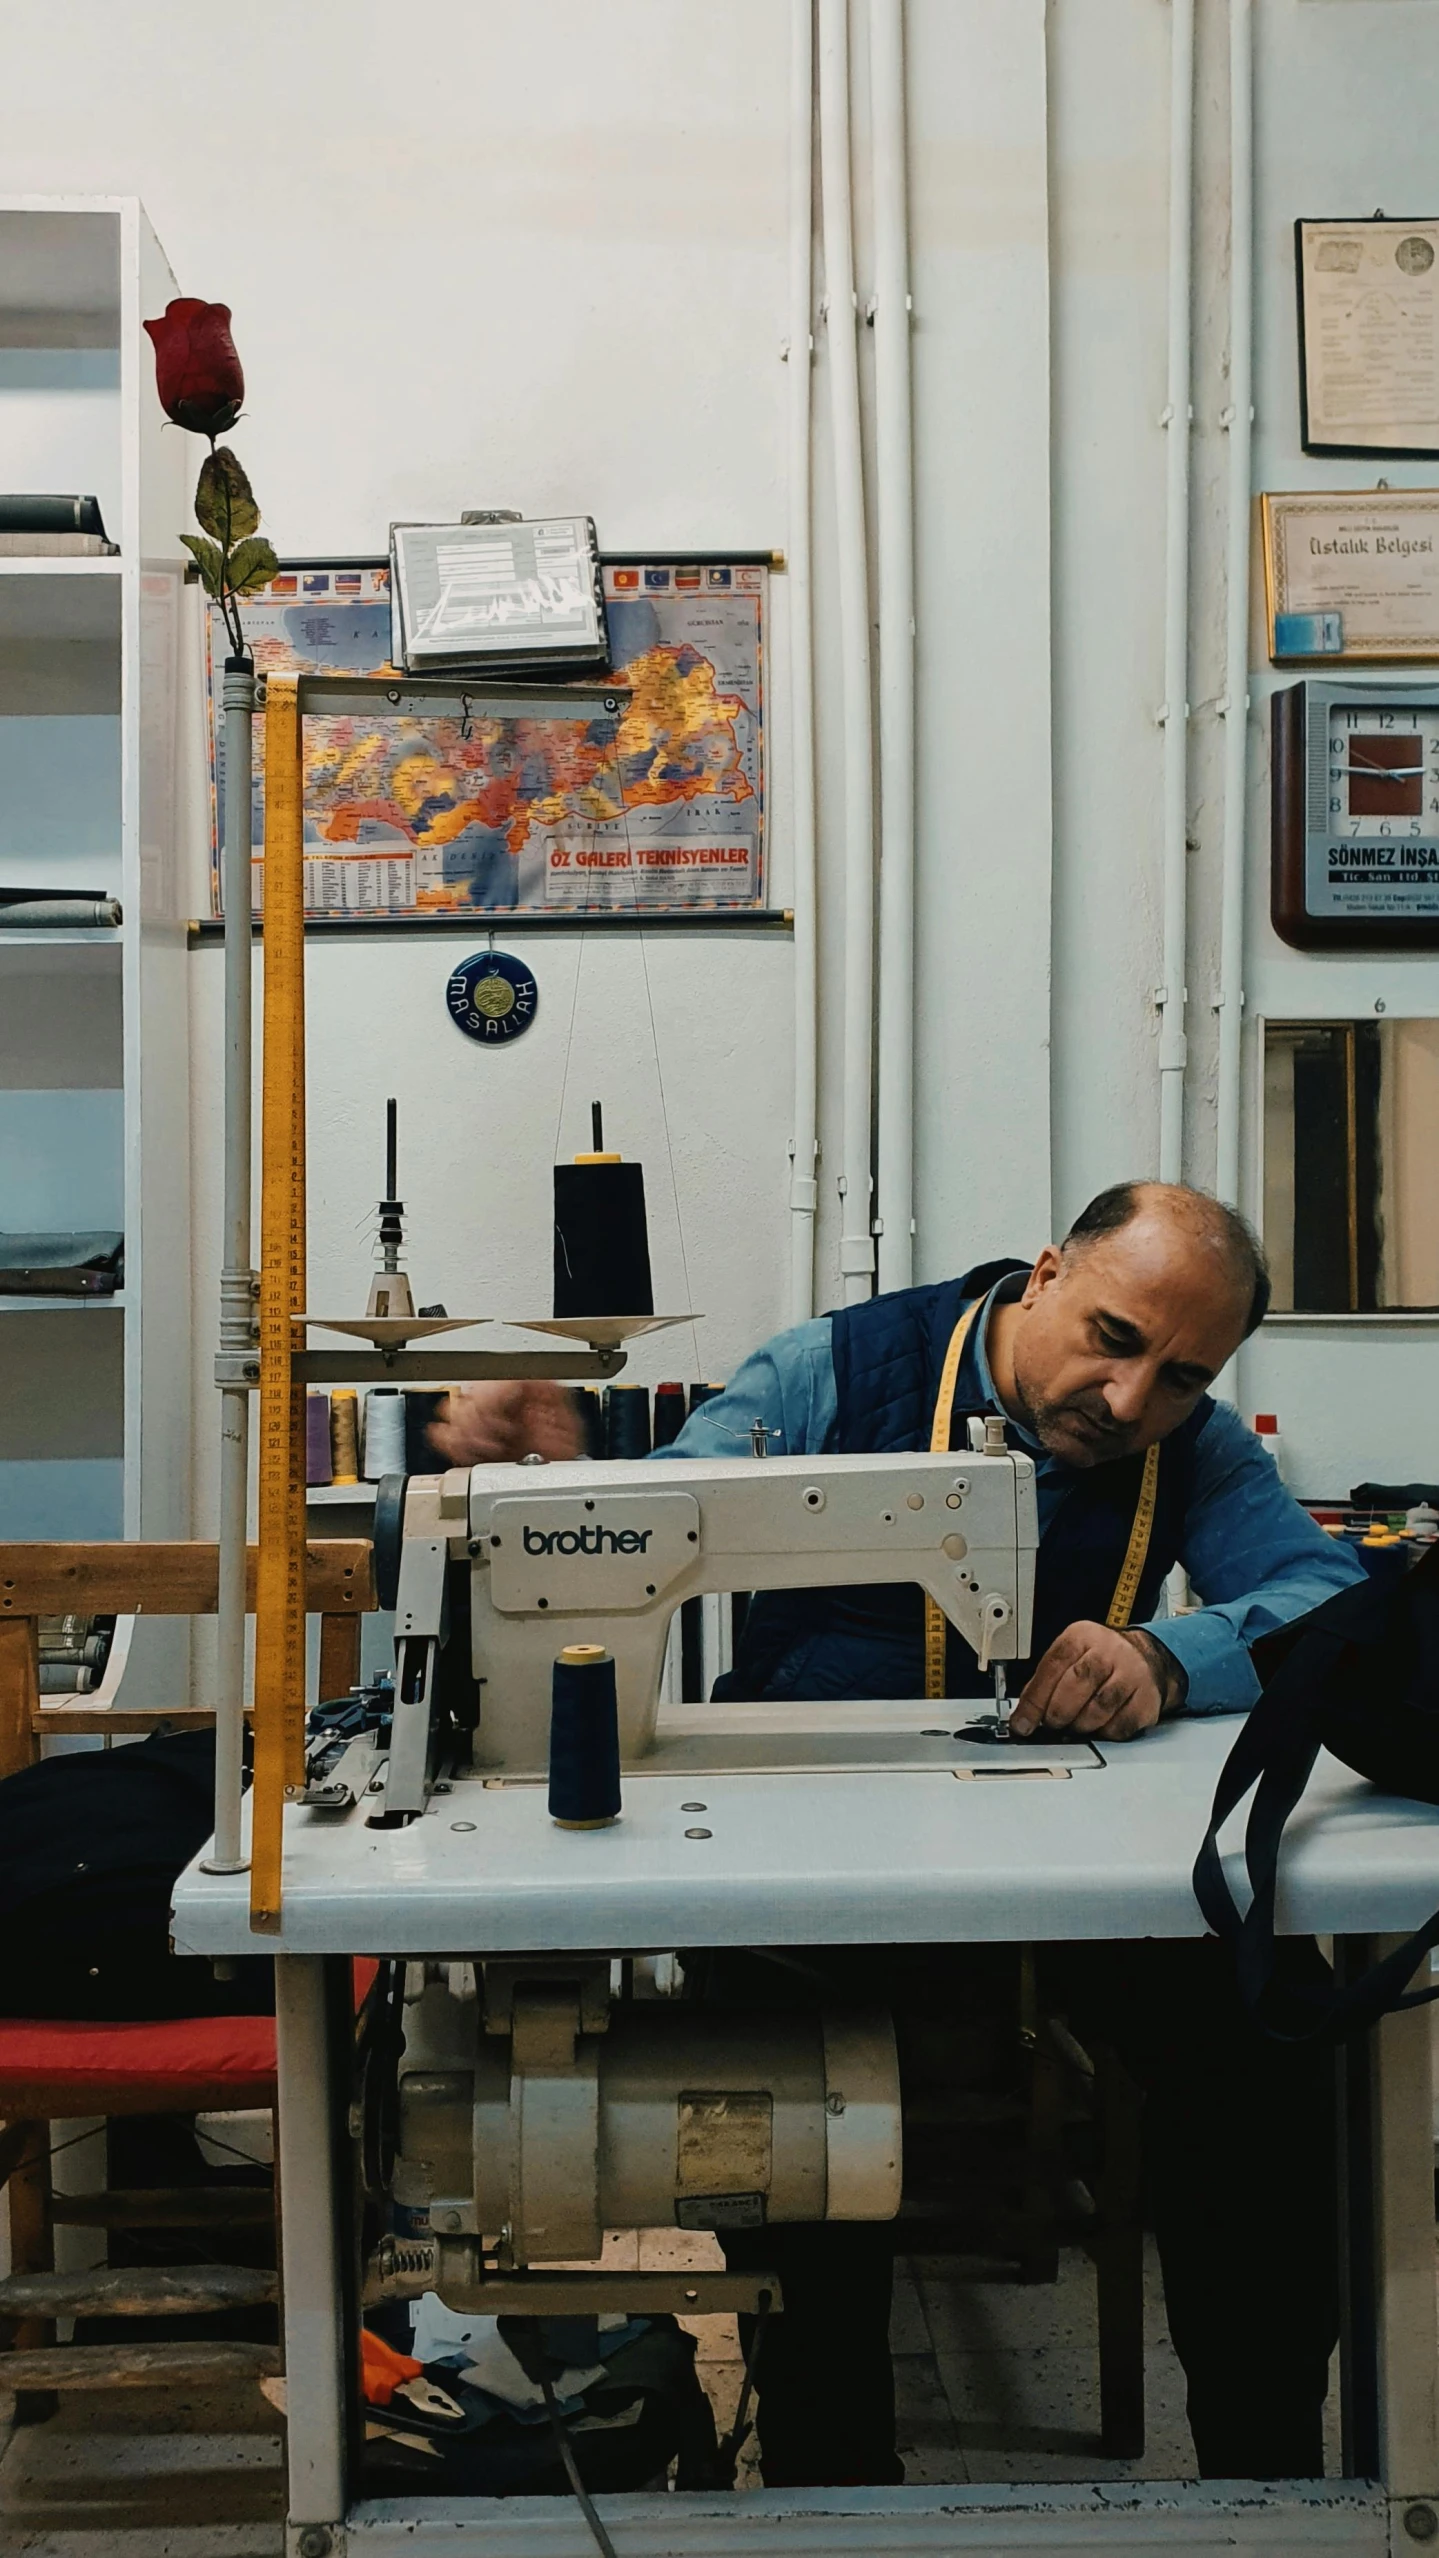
[1173,1049]
[804,1185]
[236,1368]
[1236,607]
[894,480]
[280,1572]
[316,2325]
[856,1243]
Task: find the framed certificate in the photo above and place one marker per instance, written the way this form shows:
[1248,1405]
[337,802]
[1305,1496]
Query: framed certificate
[1351,576]
[1369,336]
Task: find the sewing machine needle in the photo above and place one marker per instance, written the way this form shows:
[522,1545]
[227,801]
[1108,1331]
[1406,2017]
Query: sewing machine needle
[1001,1700]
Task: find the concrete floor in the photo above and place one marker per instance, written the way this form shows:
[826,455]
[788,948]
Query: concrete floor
[995,2381]
[147,2474]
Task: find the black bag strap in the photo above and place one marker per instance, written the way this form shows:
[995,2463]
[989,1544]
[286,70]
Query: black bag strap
[1274,1754]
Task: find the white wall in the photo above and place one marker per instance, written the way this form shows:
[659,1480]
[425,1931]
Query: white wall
[538,257]
[1338,130]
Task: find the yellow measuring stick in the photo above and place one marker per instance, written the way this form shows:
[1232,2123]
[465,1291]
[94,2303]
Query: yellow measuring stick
[280,1584]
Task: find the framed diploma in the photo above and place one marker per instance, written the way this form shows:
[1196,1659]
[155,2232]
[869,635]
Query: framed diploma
[1353,576]
[1369,336]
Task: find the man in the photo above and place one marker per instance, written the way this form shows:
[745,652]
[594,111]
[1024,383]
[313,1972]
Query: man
[1098,1357]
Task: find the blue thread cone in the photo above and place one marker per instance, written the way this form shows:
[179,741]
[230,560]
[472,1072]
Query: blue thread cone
[584,1739]
[627,1421]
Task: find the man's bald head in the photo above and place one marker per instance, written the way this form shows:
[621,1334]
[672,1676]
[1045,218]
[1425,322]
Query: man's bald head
[1121,1328]
[1198,1223]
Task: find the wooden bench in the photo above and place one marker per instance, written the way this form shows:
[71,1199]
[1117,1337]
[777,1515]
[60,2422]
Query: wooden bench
[60,2071]
[152,1580]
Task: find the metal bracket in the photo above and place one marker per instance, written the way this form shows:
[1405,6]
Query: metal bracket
[587,1981]
[402,2268]
[441,1367]
[545,2028]
[237,1367]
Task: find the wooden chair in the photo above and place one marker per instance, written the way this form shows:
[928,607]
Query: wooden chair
[63,2071]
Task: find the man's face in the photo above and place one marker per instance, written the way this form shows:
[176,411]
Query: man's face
[1117,1341]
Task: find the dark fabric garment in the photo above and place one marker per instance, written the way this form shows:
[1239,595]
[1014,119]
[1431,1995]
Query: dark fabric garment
[1359,1677]
[91,1845]
[1239,2138]
[1240,2160]
[869,1641]
[825,2407]
[490,2452]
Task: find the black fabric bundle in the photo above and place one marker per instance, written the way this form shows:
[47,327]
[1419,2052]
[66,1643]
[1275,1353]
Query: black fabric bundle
[1359,1677]
[648,2409]
[91,1846]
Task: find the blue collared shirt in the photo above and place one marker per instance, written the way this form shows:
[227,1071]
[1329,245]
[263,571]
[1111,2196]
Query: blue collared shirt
[1254,1557]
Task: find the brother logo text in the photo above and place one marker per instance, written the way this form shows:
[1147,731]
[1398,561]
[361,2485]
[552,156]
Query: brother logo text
[596,1540]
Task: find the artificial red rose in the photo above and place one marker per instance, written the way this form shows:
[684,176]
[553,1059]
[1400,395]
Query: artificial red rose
[197,372]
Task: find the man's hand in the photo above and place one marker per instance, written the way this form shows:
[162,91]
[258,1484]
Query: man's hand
[498,1424]
[1105,1684]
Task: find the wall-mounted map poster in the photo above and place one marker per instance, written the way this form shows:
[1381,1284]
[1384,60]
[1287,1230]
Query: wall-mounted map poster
[660,812]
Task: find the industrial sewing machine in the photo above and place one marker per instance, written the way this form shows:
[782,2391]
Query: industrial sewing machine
[529,2102]
[534,1557]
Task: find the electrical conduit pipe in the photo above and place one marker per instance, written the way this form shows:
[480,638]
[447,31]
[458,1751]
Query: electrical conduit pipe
[1236,601]
[856,1251]
[1170,998]
[894,479]
[237,1366]
[804,1146]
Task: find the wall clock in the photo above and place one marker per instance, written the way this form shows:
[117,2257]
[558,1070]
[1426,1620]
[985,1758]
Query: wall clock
[1355,823]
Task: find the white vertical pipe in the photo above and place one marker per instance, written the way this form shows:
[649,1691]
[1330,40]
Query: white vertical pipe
[894,483]
[1173,1048]
[1236,604]
[856,1250]
[804,1185]
[237,1362]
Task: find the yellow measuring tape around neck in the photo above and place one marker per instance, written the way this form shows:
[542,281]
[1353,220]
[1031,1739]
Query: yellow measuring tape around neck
[1126,1589]
[936,1623]
[280,1580]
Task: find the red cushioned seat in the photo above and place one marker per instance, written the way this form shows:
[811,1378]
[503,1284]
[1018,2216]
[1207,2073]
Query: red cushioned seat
[187,2065]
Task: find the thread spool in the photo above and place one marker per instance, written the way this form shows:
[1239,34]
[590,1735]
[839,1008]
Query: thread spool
[703,1394]
[669,1418]
[384,1432]
[591,1414]
[344,1435]
[602,1251]
[317,1438]
[627,1421]
[584,1739]
[421,1406]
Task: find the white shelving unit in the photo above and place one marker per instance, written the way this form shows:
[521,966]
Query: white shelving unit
[94,1062]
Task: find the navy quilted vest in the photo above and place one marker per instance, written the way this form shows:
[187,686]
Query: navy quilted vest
[888,1354]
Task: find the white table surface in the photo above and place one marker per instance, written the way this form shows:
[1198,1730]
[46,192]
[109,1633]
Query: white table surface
[887,1858]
